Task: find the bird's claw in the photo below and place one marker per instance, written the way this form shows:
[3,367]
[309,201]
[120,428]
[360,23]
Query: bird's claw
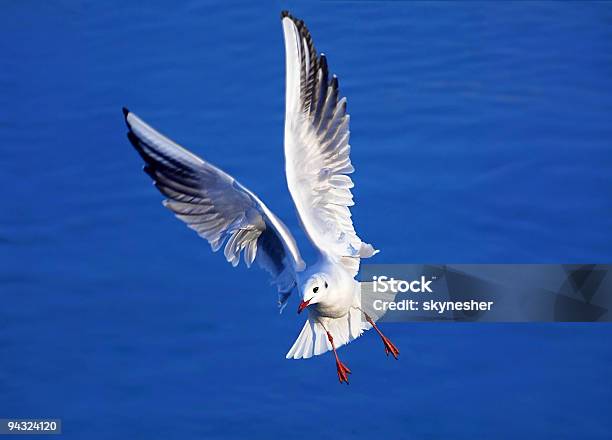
[390,348]
[343,372]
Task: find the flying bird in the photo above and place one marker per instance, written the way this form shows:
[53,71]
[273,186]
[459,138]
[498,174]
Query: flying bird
[317,167]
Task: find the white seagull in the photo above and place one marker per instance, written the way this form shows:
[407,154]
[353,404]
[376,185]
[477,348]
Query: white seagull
[317,165]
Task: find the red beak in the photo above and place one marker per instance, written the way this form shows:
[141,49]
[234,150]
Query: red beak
[303,305]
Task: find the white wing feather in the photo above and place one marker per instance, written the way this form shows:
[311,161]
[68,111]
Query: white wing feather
[217,207]
[317,150]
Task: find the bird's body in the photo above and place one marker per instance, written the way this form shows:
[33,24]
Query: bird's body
[317,166]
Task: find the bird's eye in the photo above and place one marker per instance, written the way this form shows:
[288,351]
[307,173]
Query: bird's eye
[315,290]
[326,284]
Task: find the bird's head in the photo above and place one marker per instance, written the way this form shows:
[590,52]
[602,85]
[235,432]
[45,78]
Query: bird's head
[315,289]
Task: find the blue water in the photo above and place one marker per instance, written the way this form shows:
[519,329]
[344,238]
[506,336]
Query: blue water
[481,132]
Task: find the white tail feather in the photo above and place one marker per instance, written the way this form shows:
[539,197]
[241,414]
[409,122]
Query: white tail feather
[313,341]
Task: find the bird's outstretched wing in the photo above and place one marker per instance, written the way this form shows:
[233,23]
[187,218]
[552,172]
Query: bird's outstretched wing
[216,206]
[317,149]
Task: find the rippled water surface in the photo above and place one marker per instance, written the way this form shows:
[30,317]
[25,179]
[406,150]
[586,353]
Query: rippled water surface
[481,132]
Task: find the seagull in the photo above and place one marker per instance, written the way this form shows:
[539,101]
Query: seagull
[317,168]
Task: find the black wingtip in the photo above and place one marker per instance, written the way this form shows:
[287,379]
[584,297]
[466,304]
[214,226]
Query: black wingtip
[134,141]
[126,112]
[323,61]
[298,22]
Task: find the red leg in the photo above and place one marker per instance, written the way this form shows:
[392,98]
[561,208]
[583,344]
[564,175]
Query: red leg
[389,347]
[343,370]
